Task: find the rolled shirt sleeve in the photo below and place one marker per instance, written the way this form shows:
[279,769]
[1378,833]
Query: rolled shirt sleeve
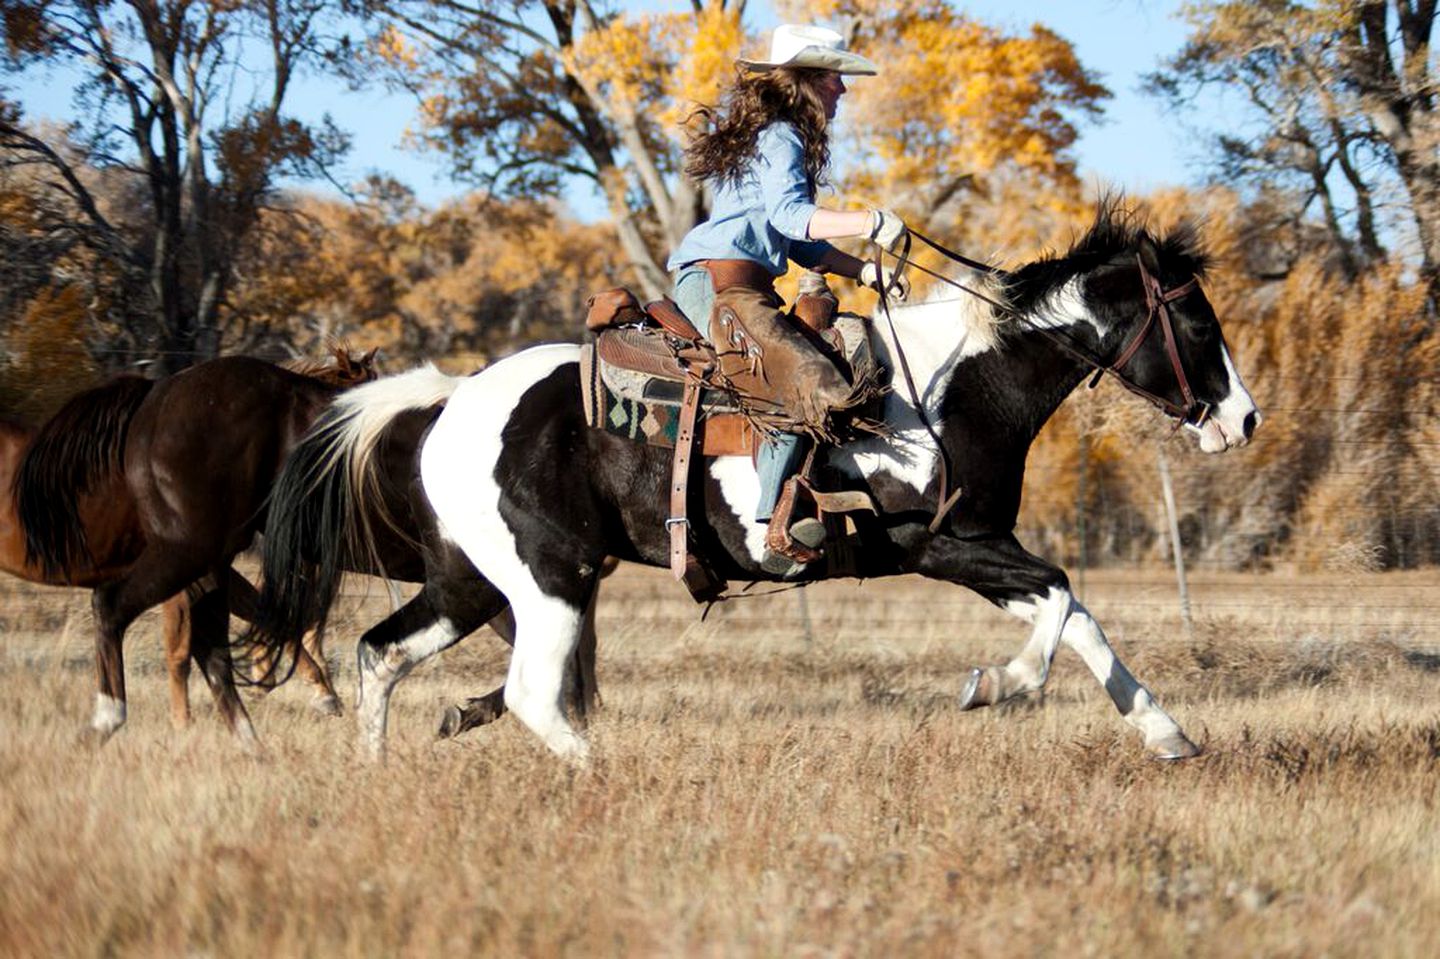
[784,188]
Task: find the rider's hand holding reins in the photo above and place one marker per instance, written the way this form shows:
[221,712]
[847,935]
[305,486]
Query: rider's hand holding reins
[897,285]
[886,228]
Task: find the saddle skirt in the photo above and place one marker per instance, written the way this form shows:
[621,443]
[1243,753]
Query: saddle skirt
[633,379]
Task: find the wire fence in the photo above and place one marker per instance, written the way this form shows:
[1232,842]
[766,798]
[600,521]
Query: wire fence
[1285,594]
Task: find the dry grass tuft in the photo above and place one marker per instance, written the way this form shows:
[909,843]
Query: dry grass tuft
[758,793]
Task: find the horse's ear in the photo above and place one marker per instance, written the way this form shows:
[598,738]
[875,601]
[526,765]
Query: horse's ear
[368,357]
[1149,254]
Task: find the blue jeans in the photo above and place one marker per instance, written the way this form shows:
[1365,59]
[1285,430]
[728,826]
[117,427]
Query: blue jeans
[780,455]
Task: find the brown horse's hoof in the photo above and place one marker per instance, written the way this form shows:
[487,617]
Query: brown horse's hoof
[450,721]
[1173,748]
[327,705]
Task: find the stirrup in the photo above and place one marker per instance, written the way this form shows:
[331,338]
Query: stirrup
[788,551]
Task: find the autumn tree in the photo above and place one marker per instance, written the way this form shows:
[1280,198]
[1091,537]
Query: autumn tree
[469,280]
[525,95]
[959,105]
[184,102]
[1341,107]
[57,300]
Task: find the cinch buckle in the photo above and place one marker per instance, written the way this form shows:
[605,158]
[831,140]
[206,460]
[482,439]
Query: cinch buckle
[672,521]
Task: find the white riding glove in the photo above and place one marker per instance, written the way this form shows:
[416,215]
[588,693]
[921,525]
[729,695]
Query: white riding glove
[897,285]
[886,228]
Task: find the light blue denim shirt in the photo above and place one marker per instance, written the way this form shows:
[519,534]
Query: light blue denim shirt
[762,216]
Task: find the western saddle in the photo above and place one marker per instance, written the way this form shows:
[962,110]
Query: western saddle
[650,376]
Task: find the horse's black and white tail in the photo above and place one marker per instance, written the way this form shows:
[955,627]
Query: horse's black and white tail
[317,524]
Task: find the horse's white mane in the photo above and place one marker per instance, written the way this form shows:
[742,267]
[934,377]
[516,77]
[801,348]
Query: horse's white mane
[970,319]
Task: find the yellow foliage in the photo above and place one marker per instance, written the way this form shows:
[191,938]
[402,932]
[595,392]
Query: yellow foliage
[710,42]
[467,279]
[659,65]
[393,48]
[46,359]
[957,99]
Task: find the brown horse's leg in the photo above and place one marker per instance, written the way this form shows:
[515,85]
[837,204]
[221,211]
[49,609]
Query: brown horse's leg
[109,713]
[177,657]
[309,657]
[310,664]
[210,648]
[152,579]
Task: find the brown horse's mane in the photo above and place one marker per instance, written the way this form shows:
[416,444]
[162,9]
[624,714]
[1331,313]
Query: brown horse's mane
[15,427]
[341,369]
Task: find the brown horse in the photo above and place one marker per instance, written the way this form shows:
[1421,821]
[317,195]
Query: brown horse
[145,491]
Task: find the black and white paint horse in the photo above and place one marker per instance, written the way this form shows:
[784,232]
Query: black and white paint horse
[532,499]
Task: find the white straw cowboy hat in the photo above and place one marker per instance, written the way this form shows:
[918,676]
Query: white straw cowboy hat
[816,48]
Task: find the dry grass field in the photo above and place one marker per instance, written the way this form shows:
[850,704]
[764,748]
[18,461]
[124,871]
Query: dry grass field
[761,788]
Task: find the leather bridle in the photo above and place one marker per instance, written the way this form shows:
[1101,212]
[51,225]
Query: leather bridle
[1157,302]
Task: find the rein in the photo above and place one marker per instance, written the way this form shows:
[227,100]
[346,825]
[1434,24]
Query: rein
[1157,300]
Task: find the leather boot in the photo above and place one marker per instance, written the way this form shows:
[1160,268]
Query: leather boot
[791,546]
[766,357]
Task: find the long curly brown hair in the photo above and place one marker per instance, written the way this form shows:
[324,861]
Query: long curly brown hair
[724,139]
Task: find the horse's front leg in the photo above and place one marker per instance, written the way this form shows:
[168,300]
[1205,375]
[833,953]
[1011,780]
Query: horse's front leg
[1163,736]
[1002,571]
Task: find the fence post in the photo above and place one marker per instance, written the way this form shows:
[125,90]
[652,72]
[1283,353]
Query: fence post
[1163,464]
[1080,510]
[805,617]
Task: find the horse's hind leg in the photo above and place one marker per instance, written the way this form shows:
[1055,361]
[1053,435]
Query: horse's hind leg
[154,578]
[453,603]
[176,613]
[309,656]
[549,628]
[582,695]
[480,710]
[110,711]
[310,664]
[210,648]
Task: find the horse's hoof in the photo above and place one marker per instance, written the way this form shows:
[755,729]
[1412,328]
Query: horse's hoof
[254,750]
[449,723]
[92,738]
[1173,748]
[327,705]
[977,690]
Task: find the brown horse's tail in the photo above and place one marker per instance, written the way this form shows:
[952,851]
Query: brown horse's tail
[81,445]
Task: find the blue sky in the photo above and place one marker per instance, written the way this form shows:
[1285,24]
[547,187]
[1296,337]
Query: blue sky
[1138,148]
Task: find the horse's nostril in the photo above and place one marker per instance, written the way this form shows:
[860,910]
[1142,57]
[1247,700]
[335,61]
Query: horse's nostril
[1252,420]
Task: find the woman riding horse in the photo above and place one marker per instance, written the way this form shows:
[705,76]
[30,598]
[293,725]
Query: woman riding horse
[764,156]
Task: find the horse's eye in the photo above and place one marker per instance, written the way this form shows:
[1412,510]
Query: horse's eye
[1199,330]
